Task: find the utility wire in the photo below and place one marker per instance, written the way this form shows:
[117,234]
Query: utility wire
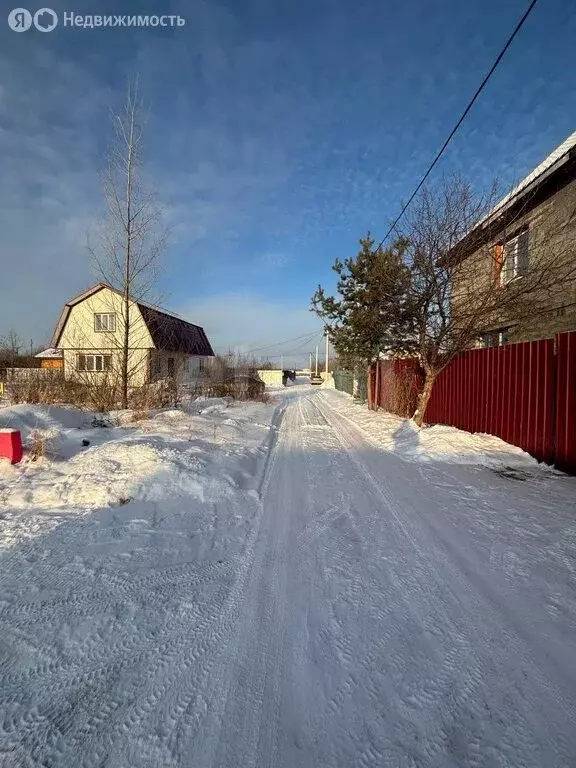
[279,343]
[462,118]
[304,343]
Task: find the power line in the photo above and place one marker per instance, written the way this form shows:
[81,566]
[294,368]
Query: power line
[287,341]
[304,343]
[462,117]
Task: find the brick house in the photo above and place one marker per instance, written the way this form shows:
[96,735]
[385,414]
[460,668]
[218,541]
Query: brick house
[527,230]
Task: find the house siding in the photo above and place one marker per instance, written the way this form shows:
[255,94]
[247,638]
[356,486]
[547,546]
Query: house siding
[79,337]
[186,367]
[552,227]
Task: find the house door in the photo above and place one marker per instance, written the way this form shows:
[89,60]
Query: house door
[171,370]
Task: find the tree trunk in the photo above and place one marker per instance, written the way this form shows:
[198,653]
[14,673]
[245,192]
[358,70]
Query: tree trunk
[125,349]
[127,263]
[424,397]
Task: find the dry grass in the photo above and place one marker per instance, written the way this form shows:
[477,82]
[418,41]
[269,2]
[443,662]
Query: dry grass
[140,414]
[37,446]
[265,397]
[103,395]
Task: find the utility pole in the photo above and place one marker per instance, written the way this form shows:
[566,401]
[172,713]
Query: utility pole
[310,362]
[281,362]
[316,367]
[327,347]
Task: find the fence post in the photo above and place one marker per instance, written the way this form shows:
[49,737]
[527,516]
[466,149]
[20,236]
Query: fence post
[369,393]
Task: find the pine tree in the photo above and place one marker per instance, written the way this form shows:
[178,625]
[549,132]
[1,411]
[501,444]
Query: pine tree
[372,312]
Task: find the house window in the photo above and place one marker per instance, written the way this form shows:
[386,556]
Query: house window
[201,365]
[104,321]
[171,367]
[496,338]
[515,255]
[94,362]
[155,367]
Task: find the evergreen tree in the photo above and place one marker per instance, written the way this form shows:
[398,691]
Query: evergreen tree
[372,312]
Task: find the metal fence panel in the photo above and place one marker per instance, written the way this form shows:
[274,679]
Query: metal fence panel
[507,391]
[566,402]
[344,381]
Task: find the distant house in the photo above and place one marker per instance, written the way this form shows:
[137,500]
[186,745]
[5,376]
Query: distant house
[90,333]
[50,358]
[525,231]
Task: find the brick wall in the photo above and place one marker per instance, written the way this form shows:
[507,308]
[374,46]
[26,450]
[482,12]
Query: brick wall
[552,228]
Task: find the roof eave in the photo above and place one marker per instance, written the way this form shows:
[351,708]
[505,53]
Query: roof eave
[496,220]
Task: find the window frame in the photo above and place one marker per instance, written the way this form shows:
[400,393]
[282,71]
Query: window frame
[82,362]
[517,271]
[101,315]
[498,337]
[201,365]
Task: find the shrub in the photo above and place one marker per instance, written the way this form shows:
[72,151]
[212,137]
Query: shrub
[140,414]
[37,447]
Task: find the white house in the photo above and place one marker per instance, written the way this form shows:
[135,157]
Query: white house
[90,333]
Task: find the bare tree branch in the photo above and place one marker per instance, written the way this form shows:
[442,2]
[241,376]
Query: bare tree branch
[130,238]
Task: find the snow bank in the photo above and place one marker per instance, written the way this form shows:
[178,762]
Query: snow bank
[438,443]
[30,417]
[205,453]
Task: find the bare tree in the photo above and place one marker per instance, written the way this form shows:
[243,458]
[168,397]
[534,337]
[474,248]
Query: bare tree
[460,286]
[130,237]
[11,344]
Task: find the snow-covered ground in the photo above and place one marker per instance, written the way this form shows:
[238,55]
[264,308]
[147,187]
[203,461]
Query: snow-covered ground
[298,584]
[204,453]
[433,443]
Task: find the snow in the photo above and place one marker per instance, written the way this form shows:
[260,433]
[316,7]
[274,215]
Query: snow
[172,455]
[287,586]
[432,443]
[50,353]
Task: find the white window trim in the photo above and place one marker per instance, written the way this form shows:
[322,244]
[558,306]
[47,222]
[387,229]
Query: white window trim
[94,358]
[98,316]
[509,250]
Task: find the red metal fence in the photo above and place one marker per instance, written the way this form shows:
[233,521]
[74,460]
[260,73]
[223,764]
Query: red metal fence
[524,393]
[565,433]
[395,386]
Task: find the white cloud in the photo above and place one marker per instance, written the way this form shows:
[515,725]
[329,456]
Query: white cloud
[247,322]
[212,180]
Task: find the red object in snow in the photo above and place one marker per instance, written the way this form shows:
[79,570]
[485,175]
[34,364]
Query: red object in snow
[11,445]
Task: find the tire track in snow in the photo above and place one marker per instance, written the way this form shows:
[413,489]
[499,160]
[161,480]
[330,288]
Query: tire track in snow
[479,629]
[390,620]
[213,688]
[253,692]
[181,652]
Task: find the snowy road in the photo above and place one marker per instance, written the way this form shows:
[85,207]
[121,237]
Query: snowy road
[357,610]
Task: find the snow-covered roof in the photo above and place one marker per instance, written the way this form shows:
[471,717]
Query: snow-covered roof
[561,158]
[558,156]
[51,352]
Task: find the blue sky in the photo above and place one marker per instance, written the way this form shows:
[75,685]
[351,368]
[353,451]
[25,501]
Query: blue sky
[279,133]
